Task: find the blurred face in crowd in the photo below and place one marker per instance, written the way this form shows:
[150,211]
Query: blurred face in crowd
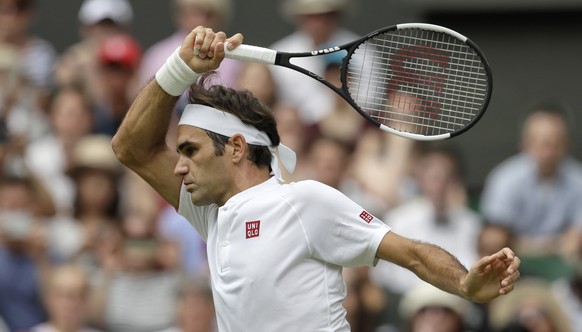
[15,197]
[96,189]
[66,297]
[435,174]
[328,160]
[196,310]
[492,239]
[15,17]
[545,139]
[190,14]
[436,319]
[533,316]
[320,27]
[71,116]
[117,80]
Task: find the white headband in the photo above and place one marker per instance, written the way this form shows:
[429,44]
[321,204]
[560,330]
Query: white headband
[227,124]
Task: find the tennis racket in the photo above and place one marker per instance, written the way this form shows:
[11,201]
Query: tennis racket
[415,80]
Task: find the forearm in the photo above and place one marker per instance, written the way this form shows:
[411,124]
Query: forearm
[437,267]
[143,131]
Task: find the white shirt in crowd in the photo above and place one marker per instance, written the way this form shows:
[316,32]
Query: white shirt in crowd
[416,220]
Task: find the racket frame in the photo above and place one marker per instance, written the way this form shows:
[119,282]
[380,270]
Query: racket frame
[283,59]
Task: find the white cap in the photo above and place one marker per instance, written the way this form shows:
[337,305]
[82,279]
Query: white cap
[94,11]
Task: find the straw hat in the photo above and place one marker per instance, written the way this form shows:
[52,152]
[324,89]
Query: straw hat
[94,152]
[426,295]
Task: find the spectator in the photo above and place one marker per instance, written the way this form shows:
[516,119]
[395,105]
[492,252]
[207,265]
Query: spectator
[118,58]
[317,25]
[66,295]
[22,255]
[79,63]
[37,56]
[380,175]
[531,307]
[3,327]
[92,225]
[427,308]
[195,307]
[326,161]
[174,228]
[20,108]
[4,146]
[568,292]
[137,286]
[439,215]
[342,122]
[69,111]
[493,238]
[364,300]
[257,79]
[187,15]
[537,193]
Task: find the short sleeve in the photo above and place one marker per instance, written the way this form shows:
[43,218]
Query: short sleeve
[338,230]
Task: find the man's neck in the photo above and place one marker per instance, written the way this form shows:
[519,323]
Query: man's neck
[252,177]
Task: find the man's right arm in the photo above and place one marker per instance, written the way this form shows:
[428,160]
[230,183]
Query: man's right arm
[140,142]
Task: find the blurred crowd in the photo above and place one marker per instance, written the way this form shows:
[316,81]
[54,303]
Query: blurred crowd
[86,245]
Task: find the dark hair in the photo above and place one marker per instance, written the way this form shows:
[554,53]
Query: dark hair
[450,151]
[112,210]
[76,88]
[245,106]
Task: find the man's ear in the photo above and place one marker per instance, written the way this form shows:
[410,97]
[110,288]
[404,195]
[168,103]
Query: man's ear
[240,147]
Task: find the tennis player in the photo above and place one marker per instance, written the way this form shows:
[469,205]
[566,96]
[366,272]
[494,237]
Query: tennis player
[275,250]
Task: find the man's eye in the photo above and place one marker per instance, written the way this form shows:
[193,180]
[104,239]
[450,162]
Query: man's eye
[189,151]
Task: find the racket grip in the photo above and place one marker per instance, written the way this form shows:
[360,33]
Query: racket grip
[252,54]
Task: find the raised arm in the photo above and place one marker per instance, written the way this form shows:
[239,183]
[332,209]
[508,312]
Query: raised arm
[490,277]
[140,142]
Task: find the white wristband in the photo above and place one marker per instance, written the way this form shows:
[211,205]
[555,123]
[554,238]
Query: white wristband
[175,76]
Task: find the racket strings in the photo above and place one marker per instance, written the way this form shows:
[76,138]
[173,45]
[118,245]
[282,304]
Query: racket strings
[419,81]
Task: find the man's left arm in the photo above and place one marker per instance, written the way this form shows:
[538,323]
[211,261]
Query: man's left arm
[490,277]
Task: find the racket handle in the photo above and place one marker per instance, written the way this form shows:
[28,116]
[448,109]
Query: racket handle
[252,54]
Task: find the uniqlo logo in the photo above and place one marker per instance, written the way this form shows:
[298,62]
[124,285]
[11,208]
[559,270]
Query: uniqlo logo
[366,216]
[253,228]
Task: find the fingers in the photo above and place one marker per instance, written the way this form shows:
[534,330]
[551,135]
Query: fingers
[205,41]
[203,49]
[234,41]
[508,283]
[187,49]
[484,264]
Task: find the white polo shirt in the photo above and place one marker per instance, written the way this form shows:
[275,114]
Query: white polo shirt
[276,253]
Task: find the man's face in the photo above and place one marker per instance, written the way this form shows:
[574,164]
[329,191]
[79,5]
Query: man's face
[546,141]
[207,177]
[190,15]
[320,27]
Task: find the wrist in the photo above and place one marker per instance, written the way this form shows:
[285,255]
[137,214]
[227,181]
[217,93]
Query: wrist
[175,76]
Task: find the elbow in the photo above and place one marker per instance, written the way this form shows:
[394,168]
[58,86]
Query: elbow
[120,149]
